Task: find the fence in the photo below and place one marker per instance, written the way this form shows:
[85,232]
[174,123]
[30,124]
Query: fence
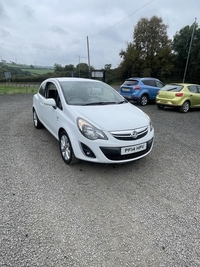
[12,87]
[18,84]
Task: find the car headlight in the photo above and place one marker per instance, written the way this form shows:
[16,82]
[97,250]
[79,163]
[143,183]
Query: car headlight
[150,123]
[90,131]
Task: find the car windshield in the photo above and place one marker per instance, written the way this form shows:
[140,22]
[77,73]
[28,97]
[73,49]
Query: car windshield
[90,93]
[130,82]
[172,87]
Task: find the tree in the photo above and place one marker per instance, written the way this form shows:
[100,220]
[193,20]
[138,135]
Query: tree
[150,52]
[107,66]
[180,45]
[69,67]
[84,70]
[58,67]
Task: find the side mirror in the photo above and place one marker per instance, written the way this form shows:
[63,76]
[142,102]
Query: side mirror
[50,102]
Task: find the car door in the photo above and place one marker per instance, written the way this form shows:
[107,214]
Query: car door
[198,95]
[51,114]
[39,102]
[150,86]
[194,95]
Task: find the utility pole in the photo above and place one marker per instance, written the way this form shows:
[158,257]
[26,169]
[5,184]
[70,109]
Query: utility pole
[79,67]
[88,57]
[186,65]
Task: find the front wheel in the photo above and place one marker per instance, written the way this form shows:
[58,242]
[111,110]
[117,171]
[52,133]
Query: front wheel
[36,121]
[185,107]
[143,100]
[66,149]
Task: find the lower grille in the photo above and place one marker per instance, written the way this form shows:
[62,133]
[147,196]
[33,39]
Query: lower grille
[114,153]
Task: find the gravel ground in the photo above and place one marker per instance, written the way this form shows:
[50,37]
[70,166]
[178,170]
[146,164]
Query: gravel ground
[144,213]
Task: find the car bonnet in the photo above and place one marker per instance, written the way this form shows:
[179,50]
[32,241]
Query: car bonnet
[112,117]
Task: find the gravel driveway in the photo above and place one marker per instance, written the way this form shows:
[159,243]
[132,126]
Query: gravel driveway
[145,213]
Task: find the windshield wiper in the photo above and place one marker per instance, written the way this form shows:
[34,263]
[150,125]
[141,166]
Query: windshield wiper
[174,88]
[122,102]
[99,103]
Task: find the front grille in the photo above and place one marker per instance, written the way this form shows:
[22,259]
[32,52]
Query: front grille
[115,153]
[127,135]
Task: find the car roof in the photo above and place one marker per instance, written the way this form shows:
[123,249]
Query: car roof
[75,79]
[183,84]
[141,78]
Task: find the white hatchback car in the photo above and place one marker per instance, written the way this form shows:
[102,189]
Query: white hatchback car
[92,121]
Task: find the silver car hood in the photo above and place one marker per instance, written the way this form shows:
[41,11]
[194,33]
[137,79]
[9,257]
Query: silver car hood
[112,117]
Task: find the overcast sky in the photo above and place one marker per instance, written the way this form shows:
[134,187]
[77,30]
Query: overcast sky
[45,32]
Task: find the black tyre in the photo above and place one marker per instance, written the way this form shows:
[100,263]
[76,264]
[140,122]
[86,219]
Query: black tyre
[185,107]
[144,100]
[160,106]
[66,149]
[36,121]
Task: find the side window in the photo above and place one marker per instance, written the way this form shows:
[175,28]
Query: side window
[159,84]
[42,90]
[149,82]
[52,92]
[193,88]
[58,102]
[198,88]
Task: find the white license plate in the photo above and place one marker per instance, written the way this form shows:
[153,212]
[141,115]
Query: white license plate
[126,89]
[133,149]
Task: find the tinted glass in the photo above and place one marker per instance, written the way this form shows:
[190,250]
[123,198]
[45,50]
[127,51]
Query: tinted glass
[193,88]
[172,87]
[159,84]
[130,82]
[149,82]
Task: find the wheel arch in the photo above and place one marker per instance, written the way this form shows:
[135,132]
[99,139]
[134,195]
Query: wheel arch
[60,131]
[187,100]
[144,91]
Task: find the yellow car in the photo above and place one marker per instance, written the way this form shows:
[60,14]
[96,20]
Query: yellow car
[181,95]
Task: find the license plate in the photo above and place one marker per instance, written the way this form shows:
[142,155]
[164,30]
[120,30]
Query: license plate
[126,89]
[133,149]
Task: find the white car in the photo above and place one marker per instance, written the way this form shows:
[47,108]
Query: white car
[92,121]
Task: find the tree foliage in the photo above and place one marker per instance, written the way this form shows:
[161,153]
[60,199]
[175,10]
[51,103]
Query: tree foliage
[72,71]
[150,52]
[185,39]
[15,72]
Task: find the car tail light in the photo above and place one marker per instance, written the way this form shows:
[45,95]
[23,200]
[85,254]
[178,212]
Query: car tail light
[179,94]
[137,87]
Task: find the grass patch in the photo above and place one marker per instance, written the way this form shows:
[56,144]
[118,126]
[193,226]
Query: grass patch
[18,90]
[36,71]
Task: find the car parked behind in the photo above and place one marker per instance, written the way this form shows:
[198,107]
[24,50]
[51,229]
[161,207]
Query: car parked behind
[179,95]
[92,121]
[141,90]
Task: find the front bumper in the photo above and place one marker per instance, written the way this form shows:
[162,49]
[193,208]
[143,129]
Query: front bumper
[114,153]
[101,151]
